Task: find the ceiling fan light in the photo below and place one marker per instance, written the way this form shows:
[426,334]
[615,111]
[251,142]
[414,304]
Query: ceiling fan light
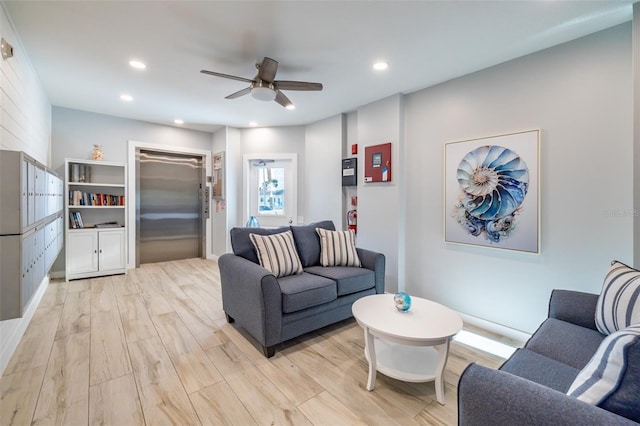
[263,93]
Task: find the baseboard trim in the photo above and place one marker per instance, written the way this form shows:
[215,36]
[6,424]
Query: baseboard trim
[11,331]
[503,330]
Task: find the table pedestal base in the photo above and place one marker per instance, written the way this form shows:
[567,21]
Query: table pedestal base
[406,362]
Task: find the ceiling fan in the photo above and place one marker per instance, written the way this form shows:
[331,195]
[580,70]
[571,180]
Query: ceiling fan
[264,86]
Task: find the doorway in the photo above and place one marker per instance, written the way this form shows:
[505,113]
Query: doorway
[169,206]
[271,188]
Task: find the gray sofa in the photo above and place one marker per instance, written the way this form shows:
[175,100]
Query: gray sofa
[530,387]
[274,310]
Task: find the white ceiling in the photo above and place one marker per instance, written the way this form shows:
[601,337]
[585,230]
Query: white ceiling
[81,50]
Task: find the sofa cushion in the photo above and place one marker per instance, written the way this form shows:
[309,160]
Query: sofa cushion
[349,279]
[611,379]
[305,290]
[308,241]
[242,245]
[558,340]
[338,248]
[277,253]
[619,302]
[540,369]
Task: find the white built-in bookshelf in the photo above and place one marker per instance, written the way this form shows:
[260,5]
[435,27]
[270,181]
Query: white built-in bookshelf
[96,218]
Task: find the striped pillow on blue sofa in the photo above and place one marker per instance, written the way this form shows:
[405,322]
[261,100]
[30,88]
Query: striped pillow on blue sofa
[277,253]
[338,248]
[610,378]
[619,301]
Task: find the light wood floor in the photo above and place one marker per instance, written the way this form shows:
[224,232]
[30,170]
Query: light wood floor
[152,347]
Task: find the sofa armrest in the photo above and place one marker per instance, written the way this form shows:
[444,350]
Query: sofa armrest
[487,396]
[574,306]
[376,262]
[251,295]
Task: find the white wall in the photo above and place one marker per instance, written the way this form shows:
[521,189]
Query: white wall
[25,125]
[218,210]
[350,137]
[25,119]
[580,95]
[323,170]
[636,133]
[234,181]
[75,132]
[380,205]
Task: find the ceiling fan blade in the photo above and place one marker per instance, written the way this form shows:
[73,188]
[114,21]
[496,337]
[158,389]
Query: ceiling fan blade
[282,99]
[232,77]
[267,69]
[239,93]
[296,85]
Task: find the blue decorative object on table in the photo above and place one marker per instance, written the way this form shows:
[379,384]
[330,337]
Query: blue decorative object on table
[402,301]
[253,222]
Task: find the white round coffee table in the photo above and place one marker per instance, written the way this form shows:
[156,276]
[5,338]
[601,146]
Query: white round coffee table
[411,346]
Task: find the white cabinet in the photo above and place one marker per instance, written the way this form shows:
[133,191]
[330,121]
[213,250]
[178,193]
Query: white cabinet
[95,252]
[30,228]
[111,250]
[96,218]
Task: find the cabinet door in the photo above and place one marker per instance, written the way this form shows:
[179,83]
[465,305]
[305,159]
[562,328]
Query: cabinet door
[41,189]
[24,192]
[82,252]
[31,193]
[112,249]
[27,266]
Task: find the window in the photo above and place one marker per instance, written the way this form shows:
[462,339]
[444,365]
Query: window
[271,191]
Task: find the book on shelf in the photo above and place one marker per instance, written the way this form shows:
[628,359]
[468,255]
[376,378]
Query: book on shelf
[76,220]
[80,198]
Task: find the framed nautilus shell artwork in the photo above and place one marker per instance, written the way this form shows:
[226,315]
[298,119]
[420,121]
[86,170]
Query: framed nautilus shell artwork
[491,193]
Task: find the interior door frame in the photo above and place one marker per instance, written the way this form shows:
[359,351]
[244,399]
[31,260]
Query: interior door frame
[131,191]
[246,173]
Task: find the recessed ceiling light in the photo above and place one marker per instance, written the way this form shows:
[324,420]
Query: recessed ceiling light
[253,124]
[380,66]
[137,64]
[290,106]
[126,97]
[178,121]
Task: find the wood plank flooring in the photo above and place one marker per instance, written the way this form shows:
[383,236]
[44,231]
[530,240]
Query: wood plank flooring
[153,348]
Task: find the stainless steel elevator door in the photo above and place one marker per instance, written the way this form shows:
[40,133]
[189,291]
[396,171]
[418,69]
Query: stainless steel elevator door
[169,211]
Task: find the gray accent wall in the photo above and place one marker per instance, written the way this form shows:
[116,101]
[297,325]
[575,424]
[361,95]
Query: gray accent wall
[580,96]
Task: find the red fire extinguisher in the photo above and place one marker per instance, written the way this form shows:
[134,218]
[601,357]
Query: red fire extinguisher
[352,220]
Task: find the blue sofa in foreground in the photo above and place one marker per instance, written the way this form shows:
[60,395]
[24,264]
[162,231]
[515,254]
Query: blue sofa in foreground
[306,297]
[565,360]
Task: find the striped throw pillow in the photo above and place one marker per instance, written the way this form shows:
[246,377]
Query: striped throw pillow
[602,380]
[619,301]
[338,248]
[277,253]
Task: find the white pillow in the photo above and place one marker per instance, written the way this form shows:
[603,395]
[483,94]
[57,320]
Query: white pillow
[338,248]
[277,253]
[602,375]
[619,301]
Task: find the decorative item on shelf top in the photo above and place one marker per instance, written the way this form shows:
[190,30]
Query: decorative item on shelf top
[402,301]
[253,222]
[97,153]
